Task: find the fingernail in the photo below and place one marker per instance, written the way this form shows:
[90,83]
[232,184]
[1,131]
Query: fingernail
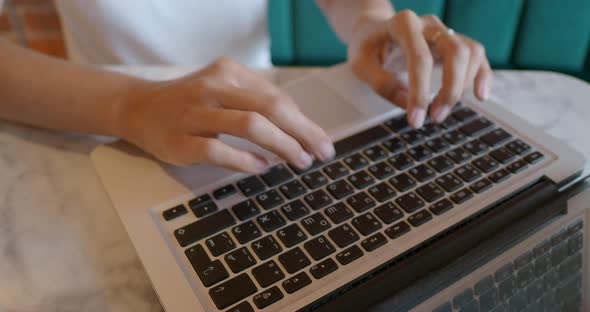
[417,117]
[441,114]
[261,164]
[326,151]
[305,160]
[484,90]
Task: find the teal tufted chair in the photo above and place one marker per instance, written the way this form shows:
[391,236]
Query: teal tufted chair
[524,34]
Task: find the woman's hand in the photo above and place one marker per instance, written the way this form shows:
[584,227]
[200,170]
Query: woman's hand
[178,121]
[423,40]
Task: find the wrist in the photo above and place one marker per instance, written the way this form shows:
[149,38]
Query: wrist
[116,114]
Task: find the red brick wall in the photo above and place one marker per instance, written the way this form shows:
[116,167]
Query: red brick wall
[34,24]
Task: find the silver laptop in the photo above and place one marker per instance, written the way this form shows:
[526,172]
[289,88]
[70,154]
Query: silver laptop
[214,240]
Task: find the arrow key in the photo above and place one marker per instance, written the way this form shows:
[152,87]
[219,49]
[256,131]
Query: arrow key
[296,282]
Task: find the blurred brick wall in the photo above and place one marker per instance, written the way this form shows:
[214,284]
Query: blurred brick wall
[34,24]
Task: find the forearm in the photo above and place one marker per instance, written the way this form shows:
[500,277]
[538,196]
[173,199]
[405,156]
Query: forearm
[50,93]
[345,15]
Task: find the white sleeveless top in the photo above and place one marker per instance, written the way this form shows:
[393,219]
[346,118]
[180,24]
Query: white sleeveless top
[169,32]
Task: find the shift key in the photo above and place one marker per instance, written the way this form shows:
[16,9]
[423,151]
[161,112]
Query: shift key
[204,227]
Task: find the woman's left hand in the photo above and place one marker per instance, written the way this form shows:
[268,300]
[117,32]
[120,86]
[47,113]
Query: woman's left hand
[423,40]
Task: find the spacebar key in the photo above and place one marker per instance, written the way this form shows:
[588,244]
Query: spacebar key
[359,140]
[204,227]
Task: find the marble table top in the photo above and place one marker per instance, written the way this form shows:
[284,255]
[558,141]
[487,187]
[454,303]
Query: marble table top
[63,248]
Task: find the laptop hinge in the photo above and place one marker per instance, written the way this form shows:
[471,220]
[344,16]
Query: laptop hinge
[440,250]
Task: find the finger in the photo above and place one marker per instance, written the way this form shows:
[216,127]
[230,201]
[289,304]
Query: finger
[217,153]
[455,57]
[281,111]
[406,29]
[368,66]
[253,127]
[483,81]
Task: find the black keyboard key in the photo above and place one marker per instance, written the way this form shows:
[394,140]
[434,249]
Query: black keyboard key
[534,157]
[296,282]
[402,182]
[422,173]
[338,213]
[419,152]
[343,235]
[209,272]
[468,173]
[315,224]
[291,235]
[295,210]
[356,161]
[246,232]
[360,202]
[430,192]
[518,147]
[483,285]
[375,152]
[268,273]
[204,209]
[361,179]
[398,124]
[395,145]
[401,161]
[293,189]
[251,185]
[463,113]
[485,164]
[340,189]
[199,200]
[373,242]
[449,122]
[413,137]
[502,155]
[336,170]
[476,147]
[382,192]
[348,255]
[409,202]
[441,206]
[381,170]
[242,307]
[449,182]
[360,140]
[266,247]
[461,300]
[294,260]
[224,191]
[318,199]
[323,268]
[397,230]
[314,179]
[174,212]
[271,220]
[420,218]
[517,166]
[437,145]
[232,291]
[461,196]
[476,126]
[495,137]
[454,137]
[276,175]
[204,227]
[499,175]
[366,224]
[220,244]
[319,247]
[429,129]
[246,209]
[239,260]
[459,155]
[270,199]
[388,212]
[267,297]
[440,163]
[314,165]
[481,185]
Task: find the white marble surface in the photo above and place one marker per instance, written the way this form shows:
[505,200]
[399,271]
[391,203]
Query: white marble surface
[63,248]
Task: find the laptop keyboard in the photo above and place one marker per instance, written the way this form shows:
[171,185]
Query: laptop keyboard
[548,277]
[295,227]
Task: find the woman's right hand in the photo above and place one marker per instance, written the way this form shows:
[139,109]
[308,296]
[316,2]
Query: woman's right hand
[178,121]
